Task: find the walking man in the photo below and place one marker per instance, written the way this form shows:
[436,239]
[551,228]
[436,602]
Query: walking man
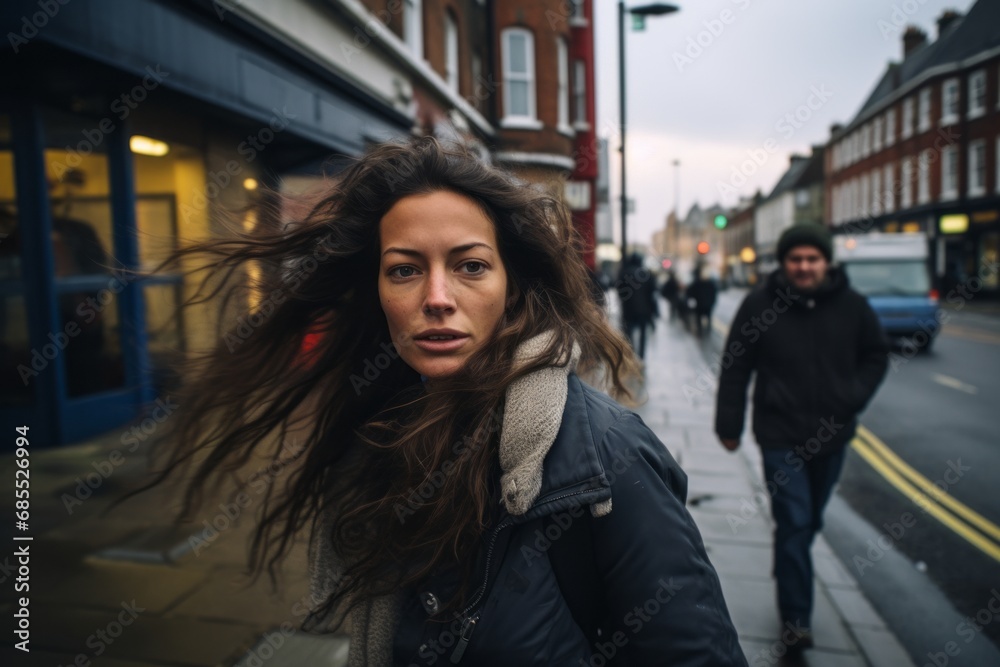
[819,354]
[637,292]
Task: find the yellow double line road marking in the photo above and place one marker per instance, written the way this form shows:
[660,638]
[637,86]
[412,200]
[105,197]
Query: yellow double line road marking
[964,521]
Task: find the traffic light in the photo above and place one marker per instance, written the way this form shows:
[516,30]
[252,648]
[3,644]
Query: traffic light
[666,263]
[721,221]
[703,248]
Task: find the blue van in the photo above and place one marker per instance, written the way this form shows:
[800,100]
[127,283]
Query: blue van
[893,271]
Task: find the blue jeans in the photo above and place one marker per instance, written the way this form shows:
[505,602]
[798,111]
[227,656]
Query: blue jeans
[800,489]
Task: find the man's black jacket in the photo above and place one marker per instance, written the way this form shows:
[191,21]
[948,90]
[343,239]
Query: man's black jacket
[819,358]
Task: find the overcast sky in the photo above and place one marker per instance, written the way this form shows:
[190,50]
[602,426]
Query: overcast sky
[709,109]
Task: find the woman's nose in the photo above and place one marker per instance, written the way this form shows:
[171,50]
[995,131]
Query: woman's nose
[439,294]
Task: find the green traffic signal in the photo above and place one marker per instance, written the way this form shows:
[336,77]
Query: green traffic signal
[721,221]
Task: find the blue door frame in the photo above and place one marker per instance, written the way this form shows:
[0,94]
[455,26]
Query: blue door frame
[54,417]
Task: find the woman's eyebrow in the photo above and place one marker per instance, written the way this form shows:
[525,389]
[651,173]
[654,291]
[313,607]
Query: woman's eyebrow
[454,251]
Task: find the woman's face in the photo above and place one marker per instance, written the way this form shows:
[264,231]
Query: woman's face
[441,282]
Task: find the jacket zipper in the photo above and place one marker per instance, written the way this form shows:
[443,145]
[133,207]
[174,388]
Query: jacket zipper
[469,624]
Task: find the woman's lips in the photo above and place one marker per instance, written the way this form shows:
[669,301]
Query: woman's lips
[447,345]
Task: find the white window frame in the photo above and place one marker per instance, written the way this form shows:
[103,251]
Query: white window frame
[577,18]
[413,26]
[977,103]
[451,59]
[889,188]
[866,140]
[528,121]
[562,87]
[924,110]
[977,167]
[949,173]
[924,177]
[890,127]
[580,119]
[907,118]
[950,101]
[877,129]
[906,187]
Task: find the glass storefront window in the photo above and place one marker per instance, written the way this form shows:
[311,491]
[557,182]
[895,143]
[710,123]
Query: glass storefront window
[989,255]
[76,169]
[15,387]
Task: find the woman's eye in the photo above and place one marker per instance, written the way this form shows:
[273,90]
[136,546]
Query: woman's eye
[476,267]
[401,271]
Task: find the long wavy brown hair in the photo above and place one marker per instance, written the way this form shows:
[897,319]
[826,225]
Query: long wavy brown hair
[315,357]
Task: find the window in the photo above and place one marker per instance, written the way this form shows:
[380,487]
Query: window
[562,62]
[876,202]
[890,127]
[580,94]
[519,78]
[478,94]
[888,190]
[577,17]
[924,177]
[866,195]
[906,187]
[949,173]
[977,168]
[451,51]
[866,141]
[924,110]
[949,102]
[877,136]
[413,26]
[802,197]
[907,118]
[977,93]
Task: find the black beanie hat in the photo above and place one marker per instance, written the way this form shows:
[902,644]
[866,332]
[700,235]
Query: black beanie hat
[817,236]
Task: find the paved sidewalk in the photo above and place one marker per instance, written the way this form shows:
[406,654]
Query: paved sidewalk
[726,496]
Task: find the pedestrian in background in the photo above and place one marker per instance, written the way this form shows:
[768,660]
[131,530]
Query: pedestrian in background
[819,354]
[445,429]
[637,294]
[671,292]
[703,292]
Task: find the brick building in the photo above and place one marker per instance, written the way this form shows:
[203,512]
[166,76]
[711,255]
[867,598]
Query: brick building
[921,153]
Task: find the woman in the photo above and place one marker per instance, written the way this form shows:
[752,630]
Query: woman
[469,499]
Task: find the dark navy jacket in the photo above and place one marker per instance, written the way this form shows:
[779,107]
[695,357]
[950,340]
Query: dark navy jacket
[662,594]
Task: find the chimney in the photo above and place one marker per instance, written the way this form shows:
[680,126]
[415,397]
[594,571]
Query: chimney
[947,17]
[913,39]
[835,128]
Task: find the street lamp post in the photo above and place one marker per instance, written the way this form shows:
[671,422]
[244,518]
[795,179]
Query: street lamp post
[655,9]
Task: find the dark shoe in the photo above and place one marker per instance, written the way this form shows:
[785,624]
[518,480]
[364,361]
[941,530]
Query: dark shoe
[797,637]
